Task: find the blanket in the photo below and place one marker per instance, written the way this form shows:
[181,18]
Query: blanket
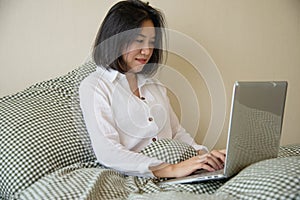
[45,153]
[93,181]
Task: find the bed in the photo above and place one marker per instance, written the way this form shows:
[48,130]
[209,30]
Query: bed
[46,154]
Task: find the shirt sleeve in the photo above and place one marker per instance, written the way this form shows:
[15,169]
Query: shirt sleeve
[104,136]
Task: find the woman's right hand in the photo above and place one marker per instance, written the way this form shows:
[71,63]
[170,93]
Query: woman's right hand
[210,161]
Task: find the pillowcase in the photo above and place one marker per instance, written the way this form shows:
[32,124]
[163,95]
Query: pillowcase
[173,151]
[170,151]
[90,180]
[269,179]
[42,130]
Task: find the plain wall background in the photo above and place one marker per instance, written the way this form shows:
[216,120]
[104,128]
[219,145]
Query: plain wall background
[248,40]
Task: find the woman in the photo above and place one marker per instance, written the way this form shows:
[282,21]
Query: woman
[123,107]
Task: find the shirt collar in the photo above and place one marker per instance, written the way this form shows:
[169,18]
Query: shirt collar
[112,75]
[142,80]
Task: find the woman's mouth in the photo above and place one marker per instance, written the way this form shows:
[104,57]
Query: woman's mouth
[141,60]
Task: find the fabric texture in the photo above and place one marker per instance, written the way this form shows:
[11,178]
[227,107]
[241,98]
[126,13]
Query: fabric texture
[270,179]
[289,150]
[170,151]
[172,195]
[46,153]
[41,131]
[93,181]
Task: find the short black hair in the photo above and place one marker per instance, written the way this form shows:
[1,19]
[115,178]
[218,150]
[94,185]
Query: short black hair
[126,17]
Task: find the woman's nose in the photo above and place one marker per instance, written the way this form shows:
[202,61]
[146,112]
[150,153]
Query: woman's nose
[145,51]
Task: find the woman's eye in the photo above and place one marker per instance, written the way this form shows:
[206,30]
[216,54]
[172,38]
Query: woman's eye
[152,43]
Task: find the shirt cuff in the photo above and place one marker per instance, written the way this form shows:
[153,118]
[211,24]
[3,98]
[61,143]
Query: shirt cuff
[149,167]
[198,147]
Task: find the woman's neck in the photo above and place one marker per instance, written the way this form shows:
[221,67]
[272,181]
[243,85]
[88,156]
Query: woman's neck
[133,83]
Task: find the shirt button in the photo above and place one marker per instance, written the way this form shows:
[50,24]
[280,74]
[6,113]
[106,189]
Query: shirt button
[153,139]
[150,119]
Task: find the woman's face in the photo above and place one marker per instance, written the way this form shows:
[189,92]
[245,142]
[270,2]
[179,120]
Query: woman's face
[139,52]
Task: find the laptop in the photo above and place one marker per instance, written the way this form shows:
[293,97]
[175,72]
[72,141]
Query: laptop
[254,128]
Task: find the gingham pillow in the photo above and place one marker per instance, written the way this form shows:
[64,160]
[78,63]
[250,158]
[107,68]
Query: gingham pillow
[289,150]
[173,151]
[91,181]
[42,130]
[170,151]
[270,179]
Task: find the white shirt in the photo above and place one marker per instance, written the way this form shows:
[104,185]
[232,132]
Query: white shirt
[120,124]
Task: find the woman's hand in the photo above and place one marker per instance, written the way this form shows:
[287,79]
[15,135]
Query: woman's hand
[209,161]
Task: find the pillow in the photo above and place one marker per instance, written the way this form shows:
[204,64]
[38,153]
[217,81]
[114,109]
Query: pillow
[289,150]
[173,151]
[74,181]
[42,130]
[90,180]
[270,179]
[170,151]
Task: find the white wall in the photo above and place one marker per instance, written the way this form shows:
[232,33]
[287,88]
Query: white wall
[248,40]
[44,39]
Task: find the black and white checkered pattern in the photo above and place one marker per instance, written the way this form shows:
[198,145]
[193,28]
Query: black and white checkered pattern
[92,181]
[46,154]
[42,131]
[289,150]
[270,179]
[170,151]
[81,181]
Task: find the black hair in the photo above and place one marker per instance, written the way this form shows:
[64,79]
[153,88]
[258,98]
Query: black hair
[126,17]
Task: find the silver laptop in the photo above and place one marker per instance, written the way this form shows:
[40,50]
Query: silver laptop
[254,128]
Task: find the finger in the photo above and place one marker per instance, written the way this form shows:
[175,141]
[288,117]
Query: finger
[223,151]
[214,162]
[218,154]
[201,158]
[209,159]
[206,167]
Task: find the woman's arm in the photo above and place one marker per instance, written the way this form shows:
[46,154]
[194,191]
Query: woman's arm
[209,161]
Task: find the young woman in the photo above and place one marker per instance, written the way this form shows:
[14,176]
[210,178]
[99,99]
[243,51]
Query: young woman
[123,107]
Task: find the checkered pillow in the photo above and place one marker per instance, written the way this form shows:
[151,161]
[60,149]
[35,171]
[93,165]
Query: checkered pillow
[289,150]
[170,151]
[42,130]
[173,151]
[270,179]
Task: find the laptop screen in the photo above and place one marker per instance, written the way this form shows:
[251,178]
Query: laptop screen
[255,123]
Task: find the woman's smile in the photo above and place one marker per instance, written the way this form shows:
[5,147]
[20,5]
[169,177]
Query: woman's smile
[142,61]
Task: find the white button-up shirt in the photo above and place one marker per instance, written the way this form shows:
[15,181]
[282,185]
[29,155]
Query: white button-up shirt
[120,124]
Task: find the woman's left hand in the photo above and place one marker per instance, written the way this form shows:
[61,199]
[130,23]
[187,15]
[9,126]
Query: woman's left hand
[217,156]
